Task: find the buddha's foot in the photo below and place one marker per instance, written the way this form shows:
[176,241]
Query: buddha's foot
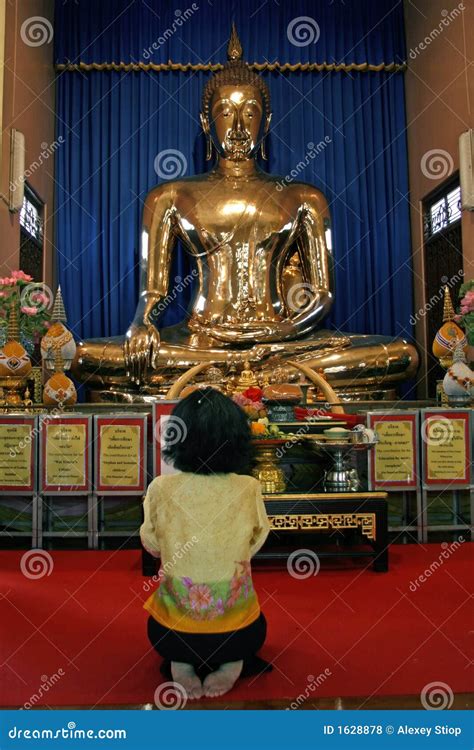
[185,676]
[223,679]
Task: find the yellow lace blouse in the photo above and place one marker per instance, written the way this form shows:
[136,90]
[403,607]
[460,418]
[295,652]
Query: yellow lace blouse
[205,528]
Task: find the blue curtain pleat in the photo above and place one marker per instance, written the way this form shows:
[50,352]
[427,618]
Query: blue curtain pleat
[114,125]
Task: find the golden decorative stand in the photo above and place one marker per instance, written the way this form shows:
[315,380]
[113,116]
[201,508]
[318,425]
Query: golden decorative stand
[11,387]
[267,471]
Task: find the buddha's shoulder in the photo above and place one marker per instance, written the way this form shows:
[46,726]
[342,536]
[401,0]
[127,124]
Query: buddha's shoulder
[300,192]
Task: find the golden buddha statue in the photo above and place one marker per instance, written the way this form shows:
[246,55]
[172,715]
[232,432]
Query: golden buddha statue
[246,379]
[247,237]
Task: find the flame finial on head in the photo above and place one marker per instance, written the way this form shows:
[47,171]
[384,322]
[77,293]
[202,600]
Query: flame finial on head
[234,48]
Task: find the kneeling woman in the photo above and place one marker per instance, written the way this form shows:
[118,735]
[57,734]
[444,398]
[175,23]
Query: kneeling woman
[205,523]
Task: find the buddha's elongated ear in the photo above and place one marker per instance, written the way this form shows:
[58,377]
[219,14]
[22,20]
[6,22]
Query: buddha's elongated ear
[207,133]
[268,120]
[204,123]
[265,133]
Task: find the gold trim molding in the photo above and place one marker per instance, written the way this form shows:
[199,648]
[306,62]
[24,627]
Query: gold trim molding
[307,67]
[325,521]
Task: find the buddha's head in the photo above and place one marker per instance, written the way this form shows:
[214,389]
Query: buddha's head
[235,112]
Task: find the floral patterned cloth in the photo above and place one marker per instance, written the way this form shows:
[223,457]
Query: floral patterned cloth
[205,529]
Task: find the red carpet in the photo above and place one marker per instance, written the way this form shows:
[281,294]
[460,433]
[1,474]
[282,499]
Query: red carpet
[81,630]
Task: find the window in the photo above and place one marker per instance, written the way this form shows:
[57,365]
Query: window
[31,235]
[443,263]
[442,211]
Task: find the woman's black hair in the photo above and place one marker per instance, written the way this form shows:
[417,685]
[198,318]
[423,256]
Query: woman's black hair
[208,433]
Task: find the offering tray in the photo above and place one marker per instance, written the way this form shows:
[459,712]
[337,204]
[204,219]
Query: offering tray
[310,427]
[341,477]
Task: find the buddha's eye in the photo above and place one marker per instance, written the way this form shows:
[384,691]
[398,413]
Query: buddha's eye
[249,115]
[226,113]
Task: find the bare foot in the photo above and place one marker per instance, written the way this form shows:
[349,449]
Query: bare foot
[185,675]
[223,679]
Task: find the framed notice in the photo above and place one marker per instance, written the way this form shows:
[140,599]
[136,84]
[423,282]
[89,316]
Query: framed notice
[393,462]
[65,455]
[161,415]
[120,454]
[446,448]
[18,440]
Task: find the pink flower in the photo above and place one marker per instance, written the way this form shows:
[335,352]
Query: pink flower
[40,298]
[240,399]
[21,275]
[200,596]
[29,310]
[467,302]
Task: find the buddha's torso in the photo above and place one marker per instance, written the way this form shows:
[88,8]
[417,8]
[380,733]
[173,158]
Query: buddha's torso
[238,232]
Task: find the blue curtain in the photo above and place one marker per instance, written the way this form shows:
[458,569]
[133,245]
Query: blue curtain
[114,125]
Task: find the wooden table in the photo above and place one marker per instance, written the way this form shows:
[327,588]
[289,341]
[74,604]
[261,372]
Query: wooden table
[332,511]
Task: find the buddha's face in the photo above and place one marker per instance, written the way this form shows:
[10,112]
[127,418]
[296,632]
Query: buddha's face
[236,121]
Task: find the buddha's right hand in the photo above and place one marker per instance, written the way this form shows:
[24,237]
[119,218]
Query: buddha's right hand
[140,351]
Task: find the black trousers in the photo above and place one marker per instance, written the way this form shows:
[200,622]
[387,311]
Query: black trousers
[207,651]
